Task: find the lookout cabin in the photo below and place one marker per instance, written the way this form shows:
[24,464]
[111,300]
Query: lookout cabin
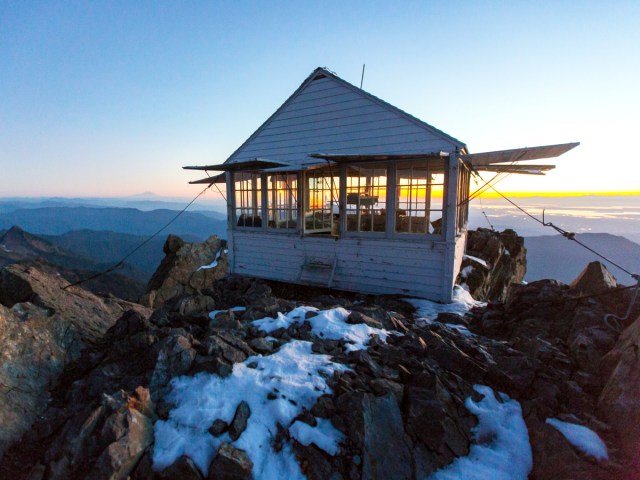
[343,190]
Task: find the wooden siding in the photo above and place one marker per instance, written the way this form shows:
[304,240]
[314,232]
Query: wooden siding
[330,117]
[416,268]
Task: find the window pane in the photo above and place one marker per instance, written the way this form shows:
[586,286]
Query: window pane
[248,199]
[419,197]
[282,202]
[366,198]
[321,205]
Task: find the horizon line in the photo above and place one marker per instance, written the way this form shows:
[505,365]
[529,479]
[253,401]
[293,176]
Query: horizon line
[487,194]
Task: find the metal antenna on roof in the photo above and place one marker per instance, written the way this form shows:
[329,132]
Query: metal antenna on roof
[362,77]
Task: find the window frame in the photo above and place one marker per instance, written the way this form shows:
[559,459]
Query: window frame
[344,220]
[257,198]
[333,173]
[303,193]
[294,193]
[444,171]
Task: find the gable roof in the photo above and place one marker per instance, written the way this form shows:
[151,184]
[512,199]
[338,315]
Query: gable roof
[328,114]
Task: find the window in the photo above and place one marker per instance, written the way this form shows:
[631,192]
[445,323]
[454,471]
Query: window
[419,197]
[248,197]
[321,202]
[282,202]
[463,197]
[366,188]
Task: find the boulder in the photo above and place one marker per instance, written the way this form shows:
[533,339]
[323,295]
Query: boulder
[42,328]
[105,442]
[230,463]
[175,358]
[619,401]
[375,426]
[239,422]
[554,457]
[183,469]
[187,269]
[595,278]
[132,433]
[386,449]
[506,263]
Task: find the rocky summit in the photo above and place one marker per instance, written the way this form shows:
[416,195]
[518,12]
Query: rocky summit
[225,377]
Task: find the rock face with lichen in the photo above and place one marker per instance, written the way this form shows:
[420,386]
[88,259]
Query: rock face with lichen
[42,329]
[399,405]
[186,269]
[619,401]
[503,263]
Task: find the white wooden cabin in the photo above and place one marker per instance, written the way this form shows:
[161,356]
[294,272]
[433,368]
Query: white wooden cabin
[341,189]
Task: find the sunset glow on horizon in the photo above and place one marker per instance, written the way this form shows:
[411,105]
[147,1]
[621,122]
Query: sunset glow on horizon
[112,99]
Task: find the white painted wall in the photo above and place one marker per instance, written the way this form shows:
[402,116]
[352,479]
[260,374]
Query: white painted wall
[406,267]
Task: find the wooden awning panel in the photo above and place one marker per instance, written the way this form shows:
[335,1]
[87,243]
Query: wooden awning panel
[253,164]
[210,180]
[518,154]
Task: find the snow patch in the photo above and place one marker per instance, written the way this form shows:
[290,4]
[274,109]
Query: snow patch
[212,264]
[323,435]
[501,450]
[466,271]
[294,375]
[583,438]
[427,310]
[330,324]
[476,259]
[212,315]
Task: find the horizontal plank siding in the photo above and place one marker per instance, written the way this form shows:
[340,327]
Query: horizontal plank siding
[327,116]
[363,265]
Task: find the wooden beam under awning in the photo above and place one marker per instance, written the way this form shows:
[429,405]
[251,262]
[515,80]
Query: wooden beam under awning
[518,154]
[345,158]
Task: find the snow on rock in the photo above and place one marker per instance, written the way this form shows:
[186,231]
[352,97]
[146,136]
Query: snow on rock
[212,315]
[276,388]
[427,310]
[329,324]
[476,259]
[583,438]
[323,435]
[501,450]
[464,273]
[214,263]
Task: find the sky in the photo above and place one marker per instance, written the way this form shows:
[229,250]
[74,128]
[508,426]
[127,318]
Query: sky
[112,98]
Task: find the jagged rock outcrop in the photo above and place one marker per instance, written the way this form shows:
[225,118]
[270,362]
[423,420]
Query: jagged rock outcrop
[619,400]
[42,329]
[399,405]
[187,269]
[506,263]
[595,278]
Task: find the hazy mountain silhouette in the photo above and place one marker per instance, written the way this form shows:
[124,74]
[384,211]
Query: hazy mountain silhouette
[111,247]
[19,246]
[58,220]
[553,256]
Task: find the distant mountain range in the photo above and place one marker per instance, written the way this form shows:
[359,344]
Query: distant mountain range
[18,246]
[59,220]
[212,207]
[110,247]
[553,256]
